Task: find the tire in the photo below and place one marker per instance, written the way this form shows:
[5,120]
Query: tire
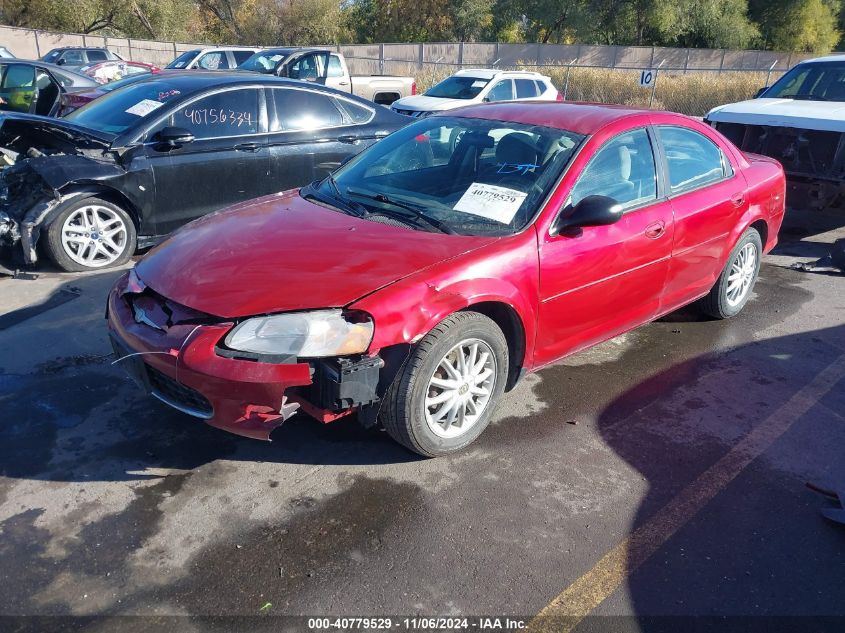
[725,300]
[70,237]
[404,413]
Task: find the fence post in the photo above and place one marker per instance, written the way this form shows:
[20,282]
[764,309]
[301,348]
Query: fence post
[37,46]
[381,59]
[654,85]
[686,62]
[421,56]
[769,76]
[789,62]
[174,50]
[496,53]
[461,54]
[129,48]
[615,55]
[539,54]
[722,61]
[566,81]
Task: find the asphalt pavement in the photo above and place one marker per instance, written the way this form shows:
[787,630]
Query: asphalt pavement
[655,482]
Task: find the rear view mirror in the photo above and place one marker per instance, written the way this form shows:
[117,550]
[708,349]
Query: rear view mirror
[591,211]
[174,136]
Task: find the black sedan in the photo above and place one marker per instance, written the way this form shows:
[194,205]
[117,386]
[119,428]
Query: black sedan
[37,87]
[130,167]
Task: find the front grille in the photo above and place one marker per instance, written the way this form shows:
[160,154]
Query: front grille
[177,395]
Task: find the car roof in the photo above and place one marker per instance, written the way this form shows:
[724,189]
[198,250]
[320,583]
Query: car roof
[224,48]
[489,73]
[581,118]
[826,58]
[81,48]
[188,81]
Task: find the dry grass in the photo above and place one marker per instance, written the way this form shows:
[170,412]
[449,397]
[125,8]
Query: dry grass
[692,93]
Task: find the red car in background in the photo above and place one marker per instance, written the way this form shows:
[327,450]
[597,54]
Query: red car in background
[74,100]
[433,270]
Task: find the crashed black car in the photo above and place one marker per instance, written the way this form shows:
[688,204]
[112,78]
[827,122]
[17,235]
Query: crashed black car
[128,168]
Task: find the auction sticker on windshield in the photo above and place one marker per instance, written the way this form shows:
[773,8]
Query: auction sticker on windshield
[144,107]
[491,202]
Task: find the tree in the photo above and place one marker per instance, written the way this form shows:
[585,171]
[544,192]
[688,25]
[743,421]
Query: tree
[807,25]
[714,24]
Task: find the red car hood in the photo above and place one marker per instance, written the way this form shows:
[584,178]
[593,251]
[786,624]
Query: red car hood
[282,253]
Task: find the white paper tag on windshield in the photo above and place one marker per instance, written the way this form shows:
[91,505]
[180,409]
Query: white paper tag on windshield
[492,202]
[144,107]
[479,84]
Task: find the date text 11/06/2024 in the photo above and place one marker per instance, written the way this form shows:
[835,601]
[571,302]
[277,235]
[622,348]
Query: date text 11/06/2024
[417,623]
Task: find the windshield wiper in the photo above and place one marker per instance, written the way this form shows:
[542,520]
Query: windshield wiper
[809,98]
[419,216]
[335,200]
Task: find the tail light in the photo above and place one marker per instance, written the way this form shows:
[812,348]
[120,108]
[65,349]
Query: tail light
[559,97]
[413,88]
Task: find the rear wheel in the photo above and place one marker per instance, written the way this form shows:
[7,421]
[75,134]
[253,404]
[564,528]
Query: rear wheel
[91,234]
[731,292]
[445,396]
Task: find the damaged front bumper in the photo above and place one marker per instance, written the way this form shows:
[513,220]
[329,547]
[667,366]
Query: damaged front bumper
[181,364]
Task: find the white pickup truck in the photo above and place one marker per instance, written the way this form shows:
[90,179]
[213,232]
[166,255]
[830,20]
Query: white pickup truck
[329,68]
[800,121]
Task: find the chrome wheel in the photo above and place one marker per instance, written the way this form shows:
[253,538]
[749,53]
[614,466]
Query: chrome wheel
[460,388]
[94,236]
[741,276]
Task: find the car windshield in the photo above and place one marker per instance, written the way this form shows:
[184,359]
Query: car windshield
[821,81]
[263,61]
[120,109]
[452,174]
[184,59]
[458,88]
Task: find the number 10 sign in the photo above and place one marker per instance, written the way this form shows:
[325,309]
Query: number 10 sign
[647,77]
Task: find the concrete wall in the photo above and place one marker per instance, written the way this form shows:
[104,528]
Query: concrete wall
[396,58]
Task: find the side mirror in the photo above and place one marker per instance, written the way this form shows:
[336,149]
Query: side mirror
[61,62]
[760,92]
[591,211]
[174,136]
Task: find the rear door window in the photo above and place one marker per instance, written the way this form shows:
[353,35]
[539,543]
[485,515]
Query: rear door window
[228,113]
[526,89]
[304,110]
[97,56]
[241,56]
[335,67]
[693,159]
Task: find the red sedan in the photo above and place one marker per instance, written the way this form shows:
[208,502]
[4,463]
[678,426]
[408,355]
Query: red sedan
[437,267]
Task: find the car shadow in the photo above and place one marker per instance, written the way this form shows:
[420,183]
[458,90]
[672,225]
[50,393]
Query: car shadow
[732,556]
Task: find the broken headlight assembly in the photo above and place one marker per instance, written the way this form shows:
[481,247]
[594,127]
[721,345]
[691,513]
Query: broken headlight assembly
[316,334]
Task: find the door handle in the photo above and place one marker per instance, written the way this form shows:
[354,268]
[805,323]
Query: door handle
[737,199]
[655,229]
[342,83]
[348,139]
[247,147]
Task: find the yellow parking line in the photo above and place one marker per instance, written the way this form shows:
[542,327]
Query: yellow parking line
[575,602]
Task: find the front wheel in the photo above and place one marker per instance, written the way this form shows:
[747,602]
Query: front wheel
[445,396]
[731,292]
[91,234]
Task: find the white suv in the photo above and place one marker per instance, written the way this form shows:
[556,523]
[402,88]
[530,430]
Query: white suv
[219,58]
[479,85]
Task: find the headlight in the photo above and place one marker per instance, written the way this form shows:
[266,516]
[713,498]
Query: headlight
[305,334]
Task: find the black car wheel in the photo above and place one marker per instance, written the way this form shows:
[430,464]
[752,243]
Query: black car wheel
[90,234]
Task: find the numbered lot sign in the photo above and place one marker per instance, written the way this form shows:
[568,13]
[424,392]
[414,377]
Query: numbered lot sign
[647,77]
